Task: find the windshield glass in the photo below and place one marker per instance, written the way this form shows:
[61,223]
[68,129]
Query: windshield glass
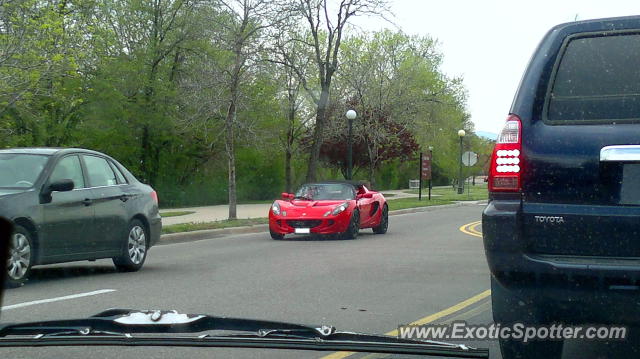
[333,191]
[20,170]
[364,164]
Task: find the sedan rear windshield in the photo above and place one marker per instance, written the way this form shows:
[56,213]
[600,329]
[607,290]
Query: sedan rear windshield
[20,170]
[330,191]
[597,80]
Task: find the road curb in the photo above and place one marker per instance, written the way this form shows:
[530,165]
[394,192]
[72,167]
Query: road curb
[210,233]
[263,228]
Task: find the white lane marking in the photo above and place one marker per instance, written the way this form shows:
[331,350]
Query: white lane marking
[56,299]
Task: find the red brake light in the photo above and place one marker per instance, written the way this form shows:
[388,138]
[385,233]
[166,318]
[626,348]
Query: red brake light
[506,161]
[154,196]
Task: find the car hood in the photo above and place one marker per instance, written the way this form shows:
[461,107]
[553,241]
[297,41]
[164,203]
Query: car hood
[308,208]
[10,198]
[296,203]
[5,192]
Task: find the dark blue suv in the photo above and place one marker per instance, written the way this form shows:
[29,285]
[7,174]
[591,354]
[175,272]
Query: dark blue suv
[562,228]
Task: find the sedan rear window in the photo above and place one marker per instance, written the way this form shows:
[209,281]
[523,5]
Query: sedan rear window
[100,173]
[597,80]
[119,175]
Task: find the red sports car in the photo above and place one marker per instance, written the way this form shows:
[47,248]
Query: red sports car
[329,208]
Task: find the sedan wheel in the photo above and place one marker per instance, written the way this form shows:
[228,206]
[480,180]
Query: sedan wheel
[19,261]
[135,249]
[137,246]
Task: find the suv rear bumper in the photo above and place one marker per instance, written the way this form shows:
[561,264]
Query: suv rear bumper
[582,288]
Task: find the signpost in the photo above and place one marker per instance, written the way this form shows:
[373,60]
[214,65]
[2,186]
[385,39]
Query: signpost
[469,159]
[425,172]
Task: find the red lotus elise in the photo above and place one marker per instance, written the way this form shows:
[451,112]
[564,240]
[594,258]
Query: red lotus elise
[341,208]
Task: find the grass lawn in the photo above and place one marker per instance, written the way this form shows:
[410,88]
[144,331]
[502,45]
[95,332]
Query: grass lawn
[403,203]
[264,201]
[175,213]
[190,227]
[477,192]
[445,195]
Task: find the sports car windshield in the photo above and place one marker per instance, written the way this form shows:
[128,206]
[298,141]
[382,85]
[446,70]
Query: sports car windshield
[329,191]
[20,170]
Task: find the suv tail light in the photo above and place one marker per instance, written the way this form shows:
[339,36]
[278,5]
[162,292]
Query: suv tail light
[154,196]
[506,161]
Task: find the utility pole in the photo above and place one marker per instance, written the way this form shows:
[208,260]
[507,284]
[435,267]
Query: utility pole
[420,178]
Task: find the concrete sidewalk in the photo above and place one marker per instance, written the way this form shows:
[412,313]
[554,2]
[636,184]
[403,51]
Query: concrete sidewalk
[216,213]
[221,212]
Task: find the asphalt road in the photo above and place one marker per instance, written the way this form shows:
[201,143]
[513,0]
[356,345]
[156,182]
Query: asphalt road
[425,268]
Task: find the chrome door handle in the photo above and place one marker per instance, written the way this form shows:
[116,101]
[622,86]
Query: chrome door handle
[620,153]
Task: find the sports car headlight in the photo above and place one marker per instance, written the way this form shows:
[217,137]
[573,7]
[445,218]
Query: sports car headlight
[275,208]
[340,208]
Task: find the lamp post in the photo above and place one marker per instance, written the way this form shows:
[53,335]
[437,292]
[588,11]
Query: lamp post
[351,115]
[461,134]
[430,178]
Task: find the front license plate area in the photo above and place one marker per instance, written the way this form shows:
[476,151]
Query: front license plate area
[302,230]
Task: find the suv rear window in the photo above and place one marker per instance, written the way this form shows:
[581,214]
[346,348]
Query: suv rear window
[597,80]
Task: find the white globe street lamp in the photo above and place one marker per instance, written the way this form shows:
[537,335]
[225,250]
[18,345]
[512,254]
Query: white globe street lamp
[351,115]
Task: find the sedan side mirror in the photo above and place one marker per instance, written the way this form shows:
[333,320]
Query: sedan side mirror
[63,185]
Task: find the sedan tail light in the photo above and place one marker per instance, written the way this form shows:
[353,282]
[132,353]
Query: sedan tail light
[154,196]
[506,161]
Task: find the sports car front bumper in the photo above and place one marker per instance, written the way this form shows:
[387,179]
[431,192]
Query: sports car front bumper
[323,225]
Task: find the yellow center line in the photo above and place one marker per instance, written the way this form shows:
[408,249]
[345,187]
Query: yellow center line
[474,228]
[428,319]
[470,313]
[470,229]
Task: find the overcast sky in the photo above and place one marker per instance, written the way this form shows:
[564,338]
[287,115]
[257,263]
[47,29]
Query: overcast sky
[489,42]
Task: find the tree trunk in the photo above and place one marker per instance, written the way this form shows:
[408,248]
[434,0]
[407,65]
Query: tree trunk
[145,147]
[231,156]
[372,170]
[318,134]
[289,146]
[287,170]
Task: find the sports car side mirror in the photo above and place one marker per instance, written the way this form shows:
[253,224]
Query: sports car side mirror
[287,196]
[365,195]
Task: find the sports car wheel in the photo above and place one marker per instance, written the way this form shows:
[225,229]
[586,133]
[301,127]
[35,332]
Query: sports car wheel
[276,236]
[354,226]
[384,221]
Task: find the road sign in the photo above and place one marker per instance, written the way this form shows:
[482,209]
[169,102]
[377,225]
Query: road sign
[426,167]
[469,158]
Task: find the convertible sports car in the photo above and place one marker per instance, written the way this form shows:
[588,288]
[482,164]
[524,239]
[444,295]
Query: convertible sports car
[339,207]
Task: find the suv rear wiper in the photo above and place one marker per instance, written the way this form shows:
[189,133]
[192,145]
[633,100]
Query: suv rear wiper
[124,327]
